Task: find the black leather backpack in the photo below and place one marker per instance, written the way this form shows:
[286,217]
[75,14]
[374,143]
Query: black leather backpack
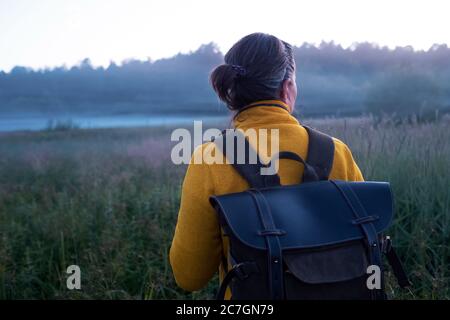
[321,239]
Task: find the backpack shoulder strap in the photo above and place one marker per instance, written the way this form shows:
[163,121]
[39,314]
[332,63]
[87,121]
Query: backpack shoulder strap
[320,153]
[251,172]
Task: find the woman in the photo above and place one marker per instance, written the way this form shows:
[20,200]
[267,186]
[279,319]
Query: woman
[257,82]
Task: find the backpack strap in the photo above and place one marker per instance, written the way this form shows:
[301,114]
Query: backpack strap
[365,222]
[273,244]
[251,172]
[318,163]
[320,154]
[395,263]
[240,270]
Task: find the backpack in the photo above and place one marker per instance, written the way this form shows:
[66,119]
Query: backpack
[322,239]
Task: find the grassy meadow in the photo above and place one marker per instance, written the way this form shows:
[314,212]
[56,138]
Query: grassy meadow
[107,200]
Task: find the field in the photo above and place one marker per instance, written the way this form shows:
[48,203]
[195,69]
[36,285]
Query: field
[107,200]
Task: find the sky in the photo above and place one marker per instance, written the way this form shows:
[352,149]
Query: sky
[49,33]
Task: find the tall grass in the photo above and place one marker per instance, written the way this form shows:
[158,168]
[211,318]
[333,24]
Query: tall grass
[107,201]
[415,159]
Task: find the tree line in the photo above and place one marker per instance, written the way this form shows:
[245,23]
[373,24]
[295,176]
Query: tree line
[332,80]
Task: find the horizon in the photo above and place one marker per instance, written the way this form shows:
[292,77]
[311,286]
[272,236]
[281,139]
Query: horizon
[351,47]
[50,33]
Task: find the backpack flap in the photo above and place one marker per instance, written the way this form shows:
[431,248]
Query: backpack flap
[308,215]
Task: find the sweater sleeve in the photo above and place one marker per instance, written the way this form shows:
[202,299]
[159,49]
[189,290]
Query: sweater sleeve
[344,165]
[196,249]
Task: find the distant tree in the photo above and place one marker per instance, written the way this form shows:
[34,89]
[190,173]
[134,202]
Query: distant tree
[405,94]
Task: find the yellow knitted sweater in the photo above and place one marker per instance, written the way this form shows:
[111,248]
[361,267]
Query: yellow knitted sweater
[198,245]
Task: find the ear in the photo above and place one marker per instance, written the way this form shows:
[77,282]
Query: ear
[288,92]
[284,93]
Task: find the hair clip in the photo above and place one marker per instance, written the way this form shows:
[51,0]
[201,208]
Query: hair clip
[241,71]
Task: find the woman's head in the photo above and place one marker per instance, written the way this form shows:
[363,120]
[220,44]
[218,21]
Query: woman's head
[258,67]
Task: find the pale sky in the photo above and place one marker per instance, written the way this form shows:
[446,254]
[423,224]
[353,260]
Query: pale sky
[48,33]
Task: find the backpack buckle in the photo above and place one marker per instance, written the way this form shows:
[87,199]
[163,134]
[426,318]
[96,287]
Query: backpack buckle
[386,245]
[366,219]
[271,232]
